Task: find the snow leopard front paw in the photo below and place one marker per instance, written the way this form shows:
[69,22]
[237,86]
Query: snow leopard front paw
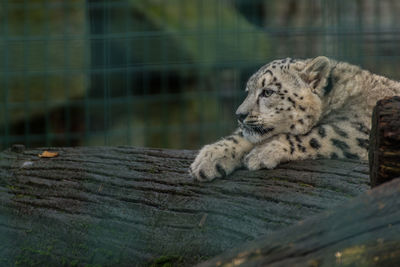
[212,161]
[260,158]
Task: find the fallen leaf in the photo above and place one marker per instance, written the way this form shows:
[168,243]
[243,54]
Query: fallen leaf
[48,154]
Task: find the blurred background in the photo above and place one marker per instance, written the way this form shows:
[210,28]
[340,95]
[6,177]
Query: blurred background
[160,73]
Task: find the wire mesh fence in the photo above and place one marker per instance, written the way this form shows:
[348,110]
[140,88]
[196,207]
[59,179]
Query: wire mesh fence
[164,73]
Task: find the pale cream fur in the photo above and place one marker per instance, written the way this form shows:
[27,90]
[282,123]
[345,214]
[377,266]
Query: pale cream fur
[298,109]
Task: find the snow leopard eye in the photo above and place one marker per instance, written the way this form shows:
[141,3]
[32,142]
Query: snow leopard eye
[266,93]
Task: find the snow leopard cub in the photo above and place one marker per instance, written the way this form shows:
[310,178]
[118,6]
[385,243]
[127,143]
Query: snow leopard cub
[298,109]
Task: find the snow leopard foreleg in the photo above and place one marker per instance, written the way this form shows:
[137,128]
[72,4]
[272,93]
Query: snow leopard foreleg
[343,139]
[221,158]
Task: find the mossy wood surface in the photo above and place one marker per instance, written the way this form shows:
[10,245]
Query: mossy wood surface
[132,206]
[363,232]
[384,153]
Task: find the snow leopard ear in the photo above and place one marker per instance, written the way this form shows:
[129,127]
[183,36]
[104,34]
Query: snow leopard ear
[316,73]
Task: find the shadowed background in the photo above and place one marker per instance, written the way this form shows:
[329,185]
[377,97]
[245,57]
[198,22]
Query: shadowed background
[165,74]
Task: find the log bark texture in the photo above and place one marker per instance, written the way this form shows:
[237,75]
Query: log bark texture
[131,206]
[384,152]
[363,232]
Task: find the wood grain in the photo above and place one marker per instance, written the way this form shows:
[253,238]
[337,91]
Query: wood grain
[363,232]
[133,206]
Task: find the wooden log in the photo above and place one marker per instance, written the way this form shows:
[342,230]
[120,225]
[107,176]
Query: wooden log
[384,151]
[125,206]
[363,232]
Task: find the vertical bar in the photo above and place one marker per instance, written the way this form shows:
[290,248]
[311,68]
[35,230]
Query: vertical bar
[105,73]
[25,77]
[234,69]
[254,35]
[88,73]
[310,51]
[109,116]
[164,83]
[182,114]
[129,109]
[200,70]
[307,26]
[146,85]
[324,27]
[46,78]
[274,45]
[6,141]
[360,26]
[67,84]
[218,69]
[341,38]
[377,20]
[393,61]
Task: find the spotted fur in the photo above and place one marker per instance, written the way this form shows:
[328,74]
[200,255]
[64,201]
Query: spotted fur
[298,109]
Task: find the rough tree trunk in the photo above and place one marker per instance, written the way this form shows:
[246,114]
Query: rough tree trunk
[363,232]
[125,206]
[384,153]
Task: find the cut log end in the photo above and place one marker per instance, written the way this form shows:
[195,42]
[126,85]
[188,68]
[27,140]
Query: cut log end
[384,153]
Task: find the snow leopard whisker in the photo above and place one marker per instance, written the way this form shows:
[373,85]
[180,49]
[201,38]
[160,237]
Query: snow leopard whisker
[256,128]
[261,130]
[253,122]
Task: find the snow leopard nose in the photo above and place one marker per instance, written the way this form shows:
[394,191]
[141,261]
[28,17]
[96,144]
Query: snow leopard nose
[241,116]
